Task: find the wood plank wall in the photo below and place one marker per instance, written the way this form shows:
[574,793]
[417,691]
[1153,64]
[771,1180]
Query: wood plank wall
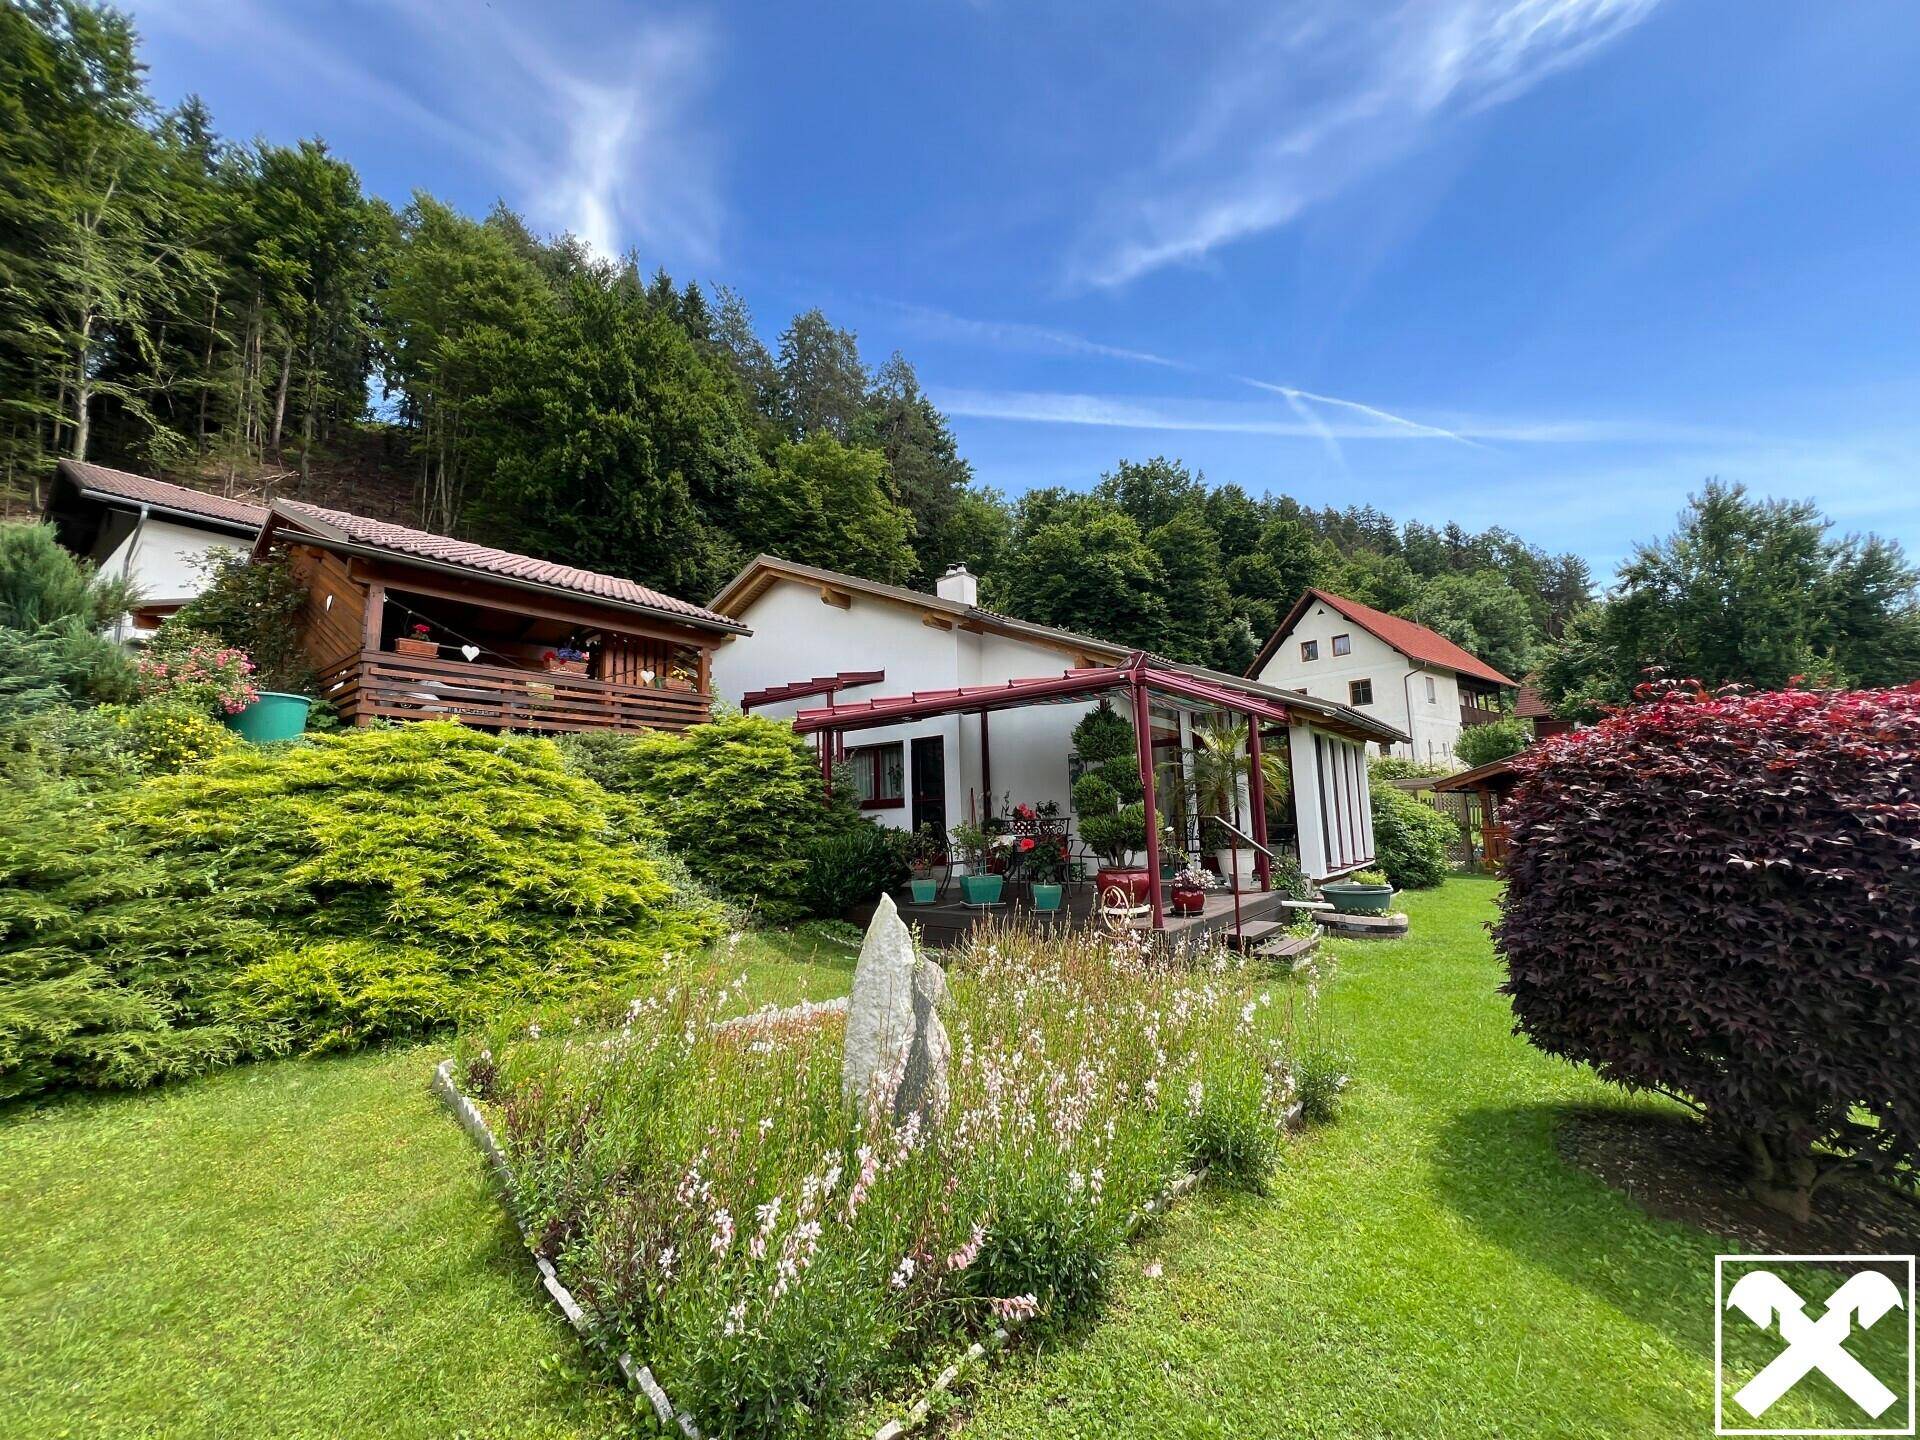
[333,631]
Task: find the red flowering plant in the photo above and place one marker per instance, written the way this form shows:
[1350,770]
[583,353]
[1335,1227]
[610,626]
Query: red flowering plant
[1713,895]
[196,671]
[421,630]
[1039,860]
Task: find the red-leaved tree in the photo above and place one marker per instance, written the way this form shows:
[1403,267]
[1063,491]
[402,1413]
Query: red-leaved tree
[1717,897]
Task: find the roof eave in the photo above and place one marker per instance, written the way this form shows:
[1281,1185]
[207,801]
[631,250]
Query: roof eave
[340,544]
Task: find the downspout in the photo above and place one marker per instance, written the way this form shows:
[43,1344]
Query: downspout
[126,572]
[1406,694]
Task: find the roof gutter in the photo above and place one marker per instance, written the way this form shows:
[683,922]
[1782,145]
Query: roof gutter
[463,572]
[143,507]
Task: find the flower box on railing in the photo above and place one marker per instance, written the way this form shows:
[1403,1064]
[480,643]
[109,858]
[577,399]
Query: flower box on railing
[416,647]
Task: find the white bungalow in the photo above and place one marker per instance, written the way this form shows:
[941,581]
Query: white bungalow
[149,531]
[947,710]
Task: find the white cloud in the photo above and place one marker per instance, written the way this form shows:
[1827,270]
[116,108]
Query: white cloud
[1301,108]
[597,131]
[1321,418]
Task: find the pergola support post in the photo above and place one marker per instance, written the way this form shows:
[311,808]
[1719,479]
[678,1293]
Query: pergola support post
[1143,740]
[1257,797]
[986,770]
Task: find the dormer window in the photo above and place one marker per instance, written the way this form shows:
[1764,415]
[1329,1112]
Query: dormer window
[1343,644]
[1309,649]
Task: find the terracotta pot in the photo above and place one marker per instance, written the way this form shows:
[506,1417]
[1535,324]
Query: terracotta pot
[421,649]
[674,682]
[567,667]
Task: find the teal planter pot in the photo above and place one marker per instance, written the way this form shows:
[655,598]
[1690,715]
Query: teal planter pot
[924,891]
[1351,898]
[1046,898]
[274,716]
[982,889]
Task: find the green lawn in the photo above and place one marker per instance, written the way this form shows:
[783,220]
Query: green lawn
[310,1249]
[295,1249]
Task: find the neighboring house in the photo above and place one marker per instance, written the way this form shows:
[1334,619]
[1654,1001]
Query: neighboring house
[947,712]
[148,531]
[402,624]
[1532,707]
[1414,679]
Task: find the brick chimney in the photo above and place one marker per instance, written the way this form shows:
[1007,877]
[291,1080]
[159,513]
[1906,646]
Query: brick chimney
[958,584]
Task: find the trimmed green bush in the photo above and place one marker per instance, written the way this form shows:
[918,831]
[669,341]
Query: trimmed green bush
[1410,839]
[739,800]
[853,866]
[317,896]
[1482,744]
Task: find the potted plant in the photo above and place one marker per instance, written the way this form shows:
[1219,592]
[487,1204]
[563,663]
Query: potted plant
[1190,891]
[1042,860]
[566,660]
[1220,768]
[976,847]
[418,642]
[1364,892]
[678,678]
[926,849]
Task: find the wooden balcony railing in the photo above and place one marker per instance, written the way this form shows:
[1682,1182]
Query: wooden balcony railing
[1474,715]
[376,684]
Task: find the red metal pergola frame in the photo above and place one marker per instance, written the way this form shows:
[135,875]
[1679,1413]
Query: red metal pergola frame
[1136,674]
[805,689]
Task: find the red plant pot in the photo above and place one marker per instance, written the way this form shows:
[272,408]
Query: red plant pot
[1188,902]
[1137,885]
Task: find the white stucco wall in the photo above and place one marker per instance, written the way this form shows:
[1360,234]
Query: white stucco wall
[1399,685]
[159,555]
[797,636]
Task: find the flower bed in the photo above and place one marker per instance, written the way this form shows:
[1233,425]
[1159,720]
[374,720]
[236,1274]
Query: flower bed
[777,1255]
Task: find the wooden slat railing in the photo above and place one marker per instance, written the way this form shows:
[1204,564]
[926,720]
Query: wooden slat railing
[376,684]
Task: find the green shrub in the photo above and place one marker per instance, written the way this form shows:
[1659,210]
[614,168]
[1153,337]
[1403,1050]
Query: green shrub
[197,671]
[41,584]
[1410,840]
[853,866]
[254,605]
[739,800]
[315,896]
[1403,767]
[162,737]
[1320,1076]
[101,980]
[1482,744]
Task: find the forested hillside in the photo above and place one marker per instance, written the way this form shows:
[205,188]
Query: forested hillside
[237,314]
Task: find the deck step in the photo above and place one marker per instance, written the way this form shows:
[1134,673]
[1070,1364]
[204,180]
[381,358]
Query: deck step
[1294,947]
[1252,932]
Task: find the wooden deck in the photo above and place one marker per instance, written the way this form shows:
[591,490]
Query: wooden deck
[378,684]
[947,921]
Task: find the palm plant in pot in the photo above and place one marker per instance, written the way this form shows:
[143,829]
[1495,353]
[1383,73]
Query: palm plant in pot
[1220,768]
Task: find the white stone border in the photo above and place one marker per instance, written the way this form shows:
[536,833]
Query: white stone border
[641,1376]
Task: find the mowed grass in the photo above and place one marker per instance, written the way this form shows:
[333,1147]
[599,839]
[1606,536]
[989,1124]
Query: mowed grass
[311,1249]
[1428,1267]
[303,1248]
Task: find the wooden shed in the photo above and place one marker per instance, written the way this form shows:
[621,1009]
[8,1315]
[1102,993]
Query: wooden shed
[401,624]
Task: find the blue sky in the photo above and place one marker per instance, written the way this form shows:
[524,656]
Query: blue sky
[1539,263]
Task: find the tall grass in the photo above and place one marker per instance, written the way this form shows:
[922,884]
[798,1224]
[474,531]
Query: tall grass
[775,1253]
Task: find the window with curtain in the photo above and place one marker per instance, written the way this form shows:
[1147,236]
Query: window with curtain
[879,775]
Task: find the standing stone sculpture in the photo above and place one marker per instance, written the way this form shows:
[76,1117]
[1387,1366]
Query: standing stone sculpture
[897,1049]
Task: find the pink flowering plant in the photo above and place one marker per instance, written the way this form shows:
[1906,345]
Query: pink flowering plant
[778,1255]
[193,669]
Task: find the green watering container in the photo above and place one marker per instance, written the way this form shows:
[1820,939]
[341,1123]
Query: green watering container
[274,716]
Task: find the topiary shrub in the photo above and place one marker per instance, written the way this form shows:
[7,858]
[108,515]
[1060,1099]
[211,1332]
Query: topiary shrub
[1483,744]
[850,867]
[1714,897]
[739,800]
[1410,840]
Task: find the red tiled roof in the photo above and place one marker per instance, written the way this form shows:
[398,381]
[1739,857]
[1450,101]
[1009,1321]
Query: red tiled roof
[1531,706]
[402,541]
[141,490]
[1416,642]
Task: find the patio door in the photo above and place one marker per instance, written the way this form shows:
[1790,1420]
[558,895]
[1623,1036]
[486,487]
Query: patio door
[929,779]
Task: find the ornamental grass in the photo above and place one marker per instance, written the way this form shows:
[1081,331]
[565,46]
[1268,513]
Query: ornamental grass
[778,1255]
